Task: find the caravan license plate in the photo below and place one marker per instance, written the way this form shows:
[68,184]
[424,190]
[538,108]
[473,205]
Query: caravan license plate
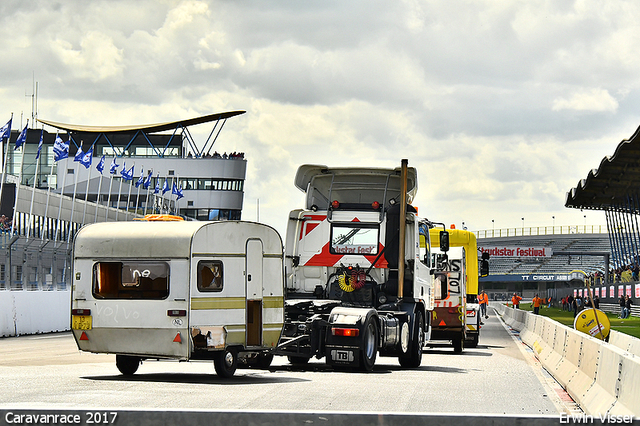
[81,322]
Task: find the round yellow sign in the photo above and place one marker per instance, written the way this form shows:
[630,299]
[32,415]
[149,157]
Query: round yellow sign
[586,322]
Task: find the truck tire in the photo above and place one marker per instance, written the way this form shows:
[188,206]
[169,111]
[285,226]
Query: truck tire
[226,363]
[458,345]
[369,345]
[264,361]
[473,342]
[298,360]
[127,365]
[414,358]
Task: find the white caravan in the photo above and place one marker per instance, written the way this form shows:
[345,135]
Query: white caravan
[179,290]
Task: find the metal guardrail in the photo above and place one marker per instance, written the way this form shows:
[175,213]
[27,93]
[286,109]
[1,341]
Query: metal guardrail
[541,230]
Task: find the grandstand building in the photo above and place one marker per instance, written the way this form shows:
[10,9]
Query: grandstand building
[44,201]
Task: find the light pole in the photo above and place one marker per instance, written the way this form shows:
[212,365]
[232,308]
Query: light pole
[523,226]
[493,228]
[553,229]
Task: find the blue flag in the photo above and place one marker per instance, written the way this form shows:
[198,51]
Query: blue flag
[5,131]
[140,180]
[127,175]
[157,188]
[100,165]
[22,137]
[40,144]
[60,149]
[165,188]
[79,155]
[176,191]
[147,181]
[114,167]
[86,158]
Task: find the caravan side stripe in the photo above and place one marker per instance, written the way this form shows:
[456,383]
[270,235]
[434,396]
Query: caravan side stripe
[273,302]
[218,303]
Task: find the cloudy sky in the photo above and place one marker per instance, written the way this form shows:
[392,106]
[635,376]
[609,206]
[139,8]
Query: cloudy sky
[501,105]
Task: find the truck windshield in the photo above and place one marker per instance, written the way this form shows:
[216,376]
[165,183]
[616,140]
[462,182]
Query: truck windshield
[356,238]
[131,280]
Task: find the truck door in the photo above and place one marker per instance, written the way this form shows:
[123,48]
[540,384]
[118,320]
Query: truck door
[254,285]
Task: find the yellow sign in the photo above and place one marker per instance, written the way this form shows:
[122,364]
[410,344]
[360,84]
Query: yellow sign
[81,322]
[586,322]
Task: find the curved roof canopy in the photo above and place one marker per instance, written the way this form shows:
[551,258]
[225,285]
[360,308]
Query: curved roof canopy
[614,183]
[147,128]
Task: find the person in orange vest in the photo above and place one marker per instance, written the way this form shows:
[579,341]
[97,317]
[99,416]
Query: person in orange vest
[515,300]
[536,302]
[483,299]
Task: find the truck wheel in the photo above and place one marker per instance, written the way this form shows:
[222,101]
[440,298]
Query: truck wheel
[369,345]
[473,342]
[226,362]
[458,345]
[417,342]
[298,360]
[264,361]
[127,365]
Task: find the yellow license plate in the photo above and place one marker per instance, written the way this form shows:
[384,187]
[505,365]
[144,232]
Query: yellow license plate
[81,322]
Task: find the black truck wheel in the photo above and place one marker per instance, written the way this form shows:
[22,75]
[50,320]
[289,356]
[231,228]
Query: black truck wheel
[414,357]
[127,365]
[298,360]
[458,345]
[226,362]
[369,345]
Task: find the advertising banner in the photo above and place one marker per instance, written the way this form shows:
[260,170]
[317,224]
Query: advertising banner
[516,251]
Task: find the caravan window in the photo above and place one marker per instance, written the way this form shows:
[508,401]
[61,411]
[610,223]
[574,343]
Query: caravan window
[131,280]
[210,275]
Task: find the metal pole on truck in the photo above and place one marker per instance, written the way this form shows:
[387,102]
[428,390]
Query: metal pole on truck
[403,223]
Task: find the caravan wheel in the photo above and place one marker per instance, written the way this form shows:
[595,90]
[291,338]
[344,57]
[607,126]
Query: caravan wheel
[127,365]
[226,362]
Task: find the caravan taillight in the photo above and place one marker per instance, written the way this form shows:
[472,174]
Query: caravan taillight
[335,204]
[81,312]
[375,205]
[177,313]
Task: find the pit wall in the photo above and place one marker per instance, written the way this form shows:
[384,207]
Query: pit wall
[33,312]
[603,378]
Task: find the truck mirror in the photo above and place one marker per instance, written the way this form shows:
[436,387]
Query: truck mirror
[484,268]
[441,283]
[444,241]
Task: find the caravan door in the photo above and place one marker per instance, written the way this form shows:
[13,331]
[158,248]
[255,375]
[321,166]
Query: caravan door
[254,285]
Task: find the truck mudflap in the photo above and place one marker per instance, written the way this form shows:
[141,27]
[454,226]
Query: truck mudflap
[352,337]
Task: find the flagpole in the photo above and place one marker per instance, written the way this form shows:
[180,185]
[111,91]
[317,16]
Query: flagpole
[64,176]
[139,183]
[46,206]
[15,203]
[148,184]
[129,196]
[124,167]
[112,171]
[86,192]
[5,158]
[95,217]
[35,180]
[73,200]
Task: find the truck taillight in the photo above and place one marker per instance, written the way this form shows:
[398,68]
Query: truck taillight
[177,313]
[345,332]
[375,205]
[81,312]
[335,204]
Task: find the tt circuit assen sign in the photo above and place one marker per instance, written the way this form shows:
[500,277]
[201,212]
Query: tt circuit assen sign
[502,251]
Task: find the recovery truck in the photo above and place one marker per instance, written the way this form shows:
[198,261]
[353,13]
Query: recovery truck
[357,281]
[457,318]
[160,289]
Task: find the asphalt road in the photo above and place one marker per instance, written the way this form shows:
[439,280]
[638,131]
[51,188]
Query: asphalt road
[499,377]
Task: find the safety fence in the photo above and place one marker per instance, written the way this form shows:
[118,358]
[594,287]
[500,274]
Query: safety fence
[603,378]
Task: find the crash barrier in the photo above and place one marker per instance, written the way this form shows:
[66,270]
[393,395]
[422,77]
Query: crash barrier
[32,312]
[603,378]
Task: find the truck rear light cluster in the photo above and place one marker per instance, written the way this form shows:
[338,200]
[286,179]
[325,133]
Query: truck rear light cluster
[345,332]
[81,312]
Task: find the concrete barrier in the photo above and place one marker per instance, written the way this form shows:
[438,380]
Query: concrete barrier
[628,402]
[32,312]
[584,377]
[625,342]
[603,394]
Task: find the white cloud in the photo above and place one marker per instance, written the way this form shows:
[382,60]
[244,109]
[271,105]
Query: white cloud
[594,99]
